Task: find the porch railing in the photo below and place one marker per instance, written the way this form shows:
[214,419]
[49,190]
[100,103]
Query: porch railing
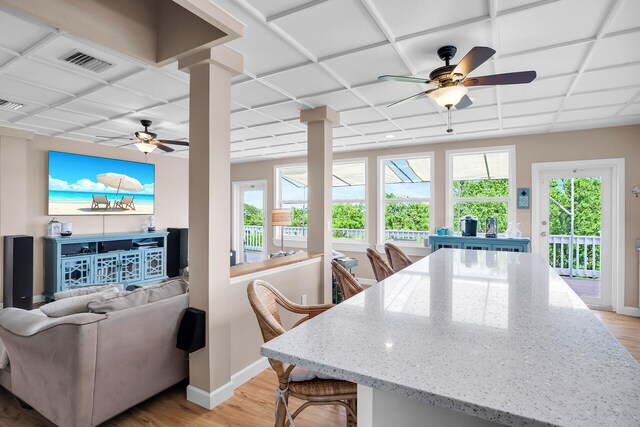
[575,256]
[253,235]
[253,238]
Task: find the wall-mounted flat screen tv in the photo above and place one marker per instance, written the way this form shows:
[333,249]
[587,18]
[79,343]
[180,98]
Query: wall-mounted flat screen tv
[87,185]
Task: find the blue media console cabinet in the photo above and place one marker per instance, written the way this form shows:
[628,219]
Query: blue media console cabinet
[100,259]
[479,242]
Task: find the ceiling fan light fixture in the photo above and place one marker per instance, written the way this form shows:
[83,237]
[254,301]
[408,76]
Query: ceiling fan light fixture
[145,147]
[449,96]
[146,136]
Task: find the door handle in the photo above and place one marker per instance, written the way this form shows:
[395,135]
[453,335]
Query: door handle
[544,222]
[543,234]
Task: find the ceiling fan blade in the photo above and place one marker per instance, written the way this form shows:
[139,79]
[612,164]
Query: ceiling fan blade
[472,60]
[169,141]
[163,147]
[407,79]
[464,102]
[411,98]
[516,78]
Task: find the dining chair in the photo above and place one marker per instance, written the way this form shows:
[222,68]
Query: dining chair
[264,300]
[396,256]
[349,285]
[380,267]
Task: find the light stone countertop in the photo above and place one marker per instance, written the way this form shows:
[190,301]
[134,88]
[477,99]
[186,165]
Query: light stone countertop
[492,334]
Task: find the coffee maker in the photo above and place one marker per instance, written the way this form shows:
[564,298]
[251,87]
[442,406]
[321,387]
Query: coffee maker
[469,226]
[491,229]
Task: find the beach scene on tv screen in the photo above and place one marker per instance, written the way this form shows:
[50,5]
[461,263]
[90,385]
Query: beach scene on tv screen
[84,185]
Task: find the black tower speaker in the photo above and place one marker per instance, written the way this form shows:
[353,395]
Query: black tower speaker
[192,331]
[177,250]
[18,272]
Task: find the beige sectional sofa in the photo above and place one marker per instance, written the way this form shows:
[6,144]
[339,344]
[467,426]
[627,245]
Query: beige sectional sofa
[82,369]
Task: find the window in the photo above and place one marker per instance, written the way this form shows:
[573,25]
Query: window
[481,183]
[405,199]
[349,199]
[292,194]
[349,211]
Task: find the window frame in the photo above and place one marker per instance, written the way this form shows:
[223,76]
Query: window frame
[510,199]
[381,202]
[364,160]
[277,196]
[277,203]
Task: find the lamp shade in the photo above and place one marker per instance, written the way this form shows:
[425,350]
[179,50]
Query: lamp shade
[449,95]
[145,147]
[280,217]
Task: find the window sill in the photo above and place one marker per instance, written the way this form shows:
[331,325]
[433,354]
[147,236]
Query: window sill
[337,245]
[415,249]
[291,243]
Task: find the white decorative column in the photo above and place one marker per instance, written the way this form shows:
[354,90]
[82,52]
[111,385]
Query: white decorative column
[209,216]
[320,122]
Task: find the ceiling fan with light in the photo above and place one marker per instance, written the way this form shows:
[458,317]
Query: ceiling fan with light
[452,80]
[147,141]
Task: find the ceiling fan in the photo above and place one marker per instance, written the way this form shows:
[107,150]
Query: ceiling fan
[452,80]
[147,142]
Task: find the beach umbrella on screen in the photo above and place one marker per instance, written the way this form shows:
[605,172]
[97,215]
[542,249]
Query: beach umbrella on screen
[119,182]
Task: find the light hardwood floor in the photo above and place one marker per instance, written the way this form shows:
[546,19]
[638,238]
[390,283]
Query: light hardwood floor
[252,404]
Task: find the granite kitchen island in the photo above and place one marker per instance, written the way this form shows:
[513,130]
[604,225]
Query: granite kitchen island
[471,338]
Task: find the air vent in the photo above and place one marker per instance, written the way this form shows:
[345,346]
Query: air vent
[10,105]
[86,61]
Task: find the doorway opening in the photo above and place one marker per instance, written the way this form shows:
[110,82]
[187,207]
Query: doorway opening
[573,227]
[575,233]
[249,220]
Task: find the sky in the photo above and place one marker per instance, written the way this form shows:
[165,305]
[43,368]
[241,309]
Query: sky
[74,172]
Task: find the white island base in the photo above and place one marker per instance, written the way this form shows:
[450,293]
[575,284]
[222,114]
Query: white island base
[378,408]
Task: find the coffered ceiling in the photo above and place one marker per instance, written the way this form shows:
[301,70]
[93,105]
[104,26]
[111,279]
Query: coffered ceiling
[302,54]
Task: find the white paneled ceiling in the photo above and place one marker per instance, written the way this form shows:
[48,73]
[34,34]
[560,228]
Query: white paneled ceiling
[308,53]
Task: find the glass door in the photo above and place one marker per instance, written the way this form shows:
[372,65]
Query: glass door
[575,223]
[250,221]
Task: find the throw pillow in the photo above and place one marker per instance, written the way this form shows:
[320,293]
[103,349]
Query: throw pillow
[86,290]
[120,302]
[73,305]
[167,290]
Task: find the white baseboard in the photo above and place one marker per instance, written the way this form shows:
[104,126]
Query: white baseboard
[37,299]
[244,375]
[630,311]
[209,400]
[369,282]
[216,397]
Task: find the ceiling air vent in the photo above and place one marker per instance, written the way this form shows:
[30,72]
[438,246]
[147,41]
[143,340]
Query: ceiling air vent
[86,61]
[10,105]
